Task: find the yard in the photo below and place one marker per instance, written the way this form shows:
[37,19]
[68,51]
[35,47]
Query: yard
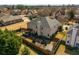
[32,52]
[15,26]
[61,35]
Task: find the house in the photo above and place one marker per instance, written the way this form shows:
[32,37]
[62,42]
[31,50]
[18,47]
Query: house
[2,14]
[13,23]
[44,26]
[77,11]
[73,36]
[16,12]
[61,16]
[9,19]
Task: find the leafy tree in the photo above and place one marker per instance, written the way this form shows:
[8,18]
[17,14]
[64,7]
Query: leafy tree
[9,43]
[30,17]
[71,15]
[21,6]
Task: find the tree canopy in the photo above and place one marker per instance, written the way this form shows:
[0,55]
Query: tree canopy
[21,6]
[71,15]
[9,43]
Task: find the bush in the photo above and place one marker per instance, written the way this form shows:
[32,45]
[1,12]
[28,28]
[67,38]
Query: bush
[26,51]
[30,17]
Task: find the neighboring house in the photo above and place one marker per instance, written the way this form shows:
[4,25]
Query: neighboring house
[29,13]
[61,17]
[77,11]
[9,19]
[2,14]
[16,12]
[76,18]
[44,26]
[73,36]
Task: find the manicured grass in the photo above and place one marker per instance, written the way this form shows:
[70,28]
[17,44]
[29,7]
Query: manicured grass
[61,35]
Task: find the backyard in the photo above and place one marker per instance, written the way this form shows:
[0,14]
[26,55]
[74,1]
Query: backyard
[61,36]
[15,26]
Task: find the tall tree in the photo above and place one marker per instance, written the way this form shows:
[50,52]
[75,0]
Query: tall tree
[9,43]
[71,15]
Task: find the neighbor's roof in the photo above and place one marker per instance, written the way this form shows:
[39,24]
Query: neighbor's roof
[10,18]
[2,14]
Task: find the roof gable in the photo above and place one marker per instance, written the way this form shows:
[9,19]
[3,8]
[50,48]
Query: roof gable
[53,22]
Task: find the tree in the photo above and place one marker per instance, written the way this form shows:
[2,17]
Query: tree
[71,15]
[30,17]
[9,43]
[21,6]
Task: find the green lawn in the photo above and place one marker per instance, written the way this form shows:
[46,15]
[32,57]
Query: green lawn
[61,35]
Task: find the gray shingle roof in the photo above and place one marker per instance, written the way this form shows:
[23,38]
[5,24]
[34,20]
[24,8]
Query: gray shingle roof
[53,22]
[43,21]
[47,22]
[10,18]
